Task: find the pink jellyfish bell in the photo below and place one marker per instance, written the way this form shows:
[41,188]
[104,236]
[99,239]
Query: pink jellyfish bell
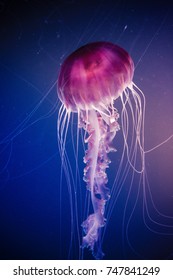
[90,80]
[94,76]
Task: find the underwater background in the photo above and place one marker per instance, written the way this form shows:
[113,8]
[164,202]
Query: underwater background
[35,217]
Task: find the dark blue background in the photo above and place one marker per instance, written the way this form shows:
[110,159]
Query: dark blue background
[35,37]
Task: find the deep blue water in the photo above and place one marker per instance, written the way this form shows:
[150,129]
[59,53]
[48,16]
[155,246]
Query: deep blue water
[35,37]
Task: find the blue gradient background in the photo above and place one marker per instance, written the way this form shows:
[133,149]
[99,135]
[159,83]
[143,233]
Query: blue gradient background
[35,37]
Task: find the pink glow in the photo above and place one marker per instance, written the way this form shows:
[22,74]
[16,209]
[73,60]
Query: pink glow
[95,72]
[91,78]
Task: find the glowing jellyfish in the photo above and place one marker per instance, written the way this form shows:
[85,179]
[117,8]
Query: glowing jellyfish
[90,81]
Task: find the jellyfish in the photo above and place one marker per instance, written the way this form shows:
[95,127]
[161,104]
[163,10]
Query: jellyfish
[90,81]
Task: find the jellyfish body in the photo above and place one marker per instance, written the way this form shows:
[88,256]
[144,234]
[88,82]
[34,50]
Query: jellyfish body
[90,80]
[94,74]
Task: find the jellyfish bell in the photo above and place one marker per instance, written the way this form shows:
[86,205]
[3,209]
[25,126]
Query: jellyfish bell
[94,74]
[90,80]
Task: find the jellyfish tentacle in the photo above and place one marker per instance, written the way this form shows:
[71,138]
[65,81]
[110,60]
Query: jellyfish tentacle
[100,135]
